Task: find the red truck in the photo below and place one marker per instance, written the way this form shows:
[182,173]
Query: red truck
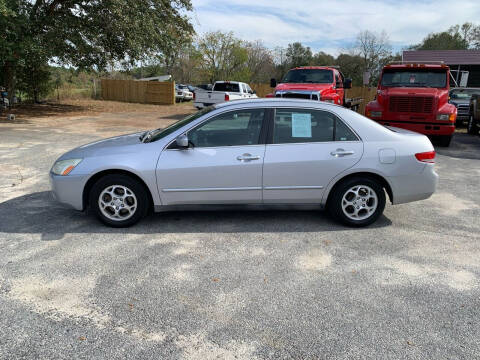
[414,96]
[320,83]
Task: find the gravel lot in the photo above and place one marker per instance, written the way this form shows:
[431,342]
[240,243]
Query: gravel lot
[230,285]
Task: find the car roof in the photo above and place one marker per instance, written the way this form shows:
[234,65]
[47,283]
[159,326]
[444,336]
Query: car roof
[271,102]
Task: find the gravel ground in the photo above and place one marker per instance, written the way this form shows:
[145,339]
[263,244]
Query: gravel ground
[231,285]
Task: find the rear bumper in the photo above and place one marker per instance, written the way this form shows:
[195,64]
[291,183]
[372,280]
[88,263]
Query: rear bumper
[414,187]
[68,189]
[422,128]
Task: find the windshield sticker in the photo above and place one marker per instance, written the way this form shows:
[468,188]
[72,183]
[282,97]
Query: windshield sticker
[301,125]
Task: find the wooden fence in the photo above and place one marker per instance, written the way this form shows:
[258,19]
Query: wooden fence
[145,92]
[366,93]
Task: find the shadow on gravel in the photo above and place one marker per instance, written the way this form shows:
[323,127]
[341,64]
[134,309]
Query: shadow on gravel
[463,146]
[38,213]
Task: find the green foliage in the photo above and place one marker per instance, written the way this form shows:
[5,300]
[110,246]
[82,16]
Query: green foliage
[458,37]
[443,41]
[322,59]
[351,67]
[223,56]
[298,55]
[86,34]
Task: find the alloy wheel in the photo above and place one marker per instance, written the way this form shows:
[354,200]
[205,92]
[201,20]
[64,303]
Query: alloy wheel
[117,202]
[359,202]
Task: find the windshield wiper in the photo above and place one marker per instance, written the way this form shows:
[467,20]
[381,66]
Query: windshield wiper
[141,137]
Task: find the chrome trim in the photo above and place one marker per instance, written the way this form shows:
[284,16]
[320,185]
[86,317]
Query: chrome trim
[213,189]
[302,92]
[305,187]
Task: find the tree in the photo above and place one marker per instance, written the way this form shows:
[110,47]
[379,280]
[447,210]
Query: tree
[322,59]
[442,41]
[186,68]
[259,62]
[224,56]
[88,34]
[372,48]
[298,55]
[352,67]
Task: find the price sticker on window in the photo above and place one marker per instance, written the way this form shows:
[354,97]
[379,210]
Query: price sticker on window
[301,125]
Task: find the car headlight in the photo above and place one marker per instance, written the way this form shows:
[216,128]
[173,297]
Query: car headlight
[446,117]
[64,167]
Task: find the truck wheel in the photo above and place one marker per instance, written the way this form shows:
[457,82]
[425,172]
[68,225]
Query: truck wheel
[358,201]
[445,140]
[472,126]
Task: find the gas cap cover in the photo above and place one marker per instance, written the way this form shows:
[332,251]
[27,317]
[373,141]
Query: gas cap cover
[386,156]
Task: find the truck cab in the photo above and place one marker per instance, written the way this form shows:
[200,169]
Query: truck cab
[223,91]
[415,97]
[321,83]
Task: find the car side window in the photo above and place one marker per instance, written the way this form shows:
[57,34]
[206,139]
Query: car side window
[241,127]
[300,126]
[343,132]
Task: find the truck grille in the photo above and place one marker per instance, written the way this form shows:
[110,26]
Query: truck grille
[298,95]
[463,109]
[411,104]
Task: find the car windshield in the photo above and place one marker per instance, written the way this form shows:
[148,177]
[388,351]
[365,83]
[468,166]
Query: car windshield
[463,94]
[414,78]
[315,76]
[158,134]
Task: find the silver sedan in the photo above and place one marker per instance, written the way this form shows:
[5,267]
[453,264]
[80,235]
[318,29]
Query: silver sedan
[251,153]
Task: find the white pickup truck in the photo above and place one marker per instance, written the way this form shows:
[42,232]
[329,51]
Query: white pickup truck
[223,91]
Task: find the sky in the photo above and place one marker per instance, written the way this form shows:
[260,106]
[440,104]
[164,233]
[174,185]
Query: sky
[331,26]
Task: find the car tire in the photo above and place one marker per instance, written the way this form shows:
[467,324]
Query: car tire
[119,200]
[444,140]
[357,201]
[472,126]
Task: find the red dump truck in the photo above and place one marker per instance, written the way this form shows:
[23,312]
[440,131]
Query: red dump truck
[320,83]
[414,96]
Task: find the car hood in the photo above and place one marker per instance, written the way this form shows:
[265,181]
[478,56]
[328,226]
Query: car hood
[460,101]
[118,144]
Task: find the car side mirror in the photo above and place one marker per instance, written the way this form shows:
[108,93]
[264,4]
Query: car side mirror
[253,92]
[347,84]
[182,141]
[273,83]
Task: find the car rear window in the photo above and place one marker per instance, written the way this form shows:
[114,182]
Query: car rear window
[226,87]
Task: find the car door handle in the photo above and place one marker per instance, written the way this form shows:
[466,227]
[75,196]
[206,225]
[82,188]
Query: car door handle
[247,157]
[341,152]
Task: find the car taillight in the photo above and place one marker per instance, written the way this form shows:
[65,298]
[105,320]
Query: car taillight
[194,95]
[227,97]
[426,157]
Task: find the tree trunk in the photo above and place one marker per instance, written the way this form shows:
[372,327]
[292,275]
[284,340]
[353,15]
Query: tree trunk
[10,76]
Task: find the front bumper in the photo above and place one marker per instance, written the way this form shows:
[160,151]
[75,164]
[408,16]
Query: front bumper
[68,189]
[422,128]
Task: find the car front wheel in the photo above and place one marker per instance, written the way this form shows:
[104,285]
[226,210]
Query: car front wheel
[119,200]
[357,201]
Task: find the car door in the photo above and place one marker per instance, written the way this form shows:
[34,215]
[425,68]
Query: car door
[223,164]
[307,149]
